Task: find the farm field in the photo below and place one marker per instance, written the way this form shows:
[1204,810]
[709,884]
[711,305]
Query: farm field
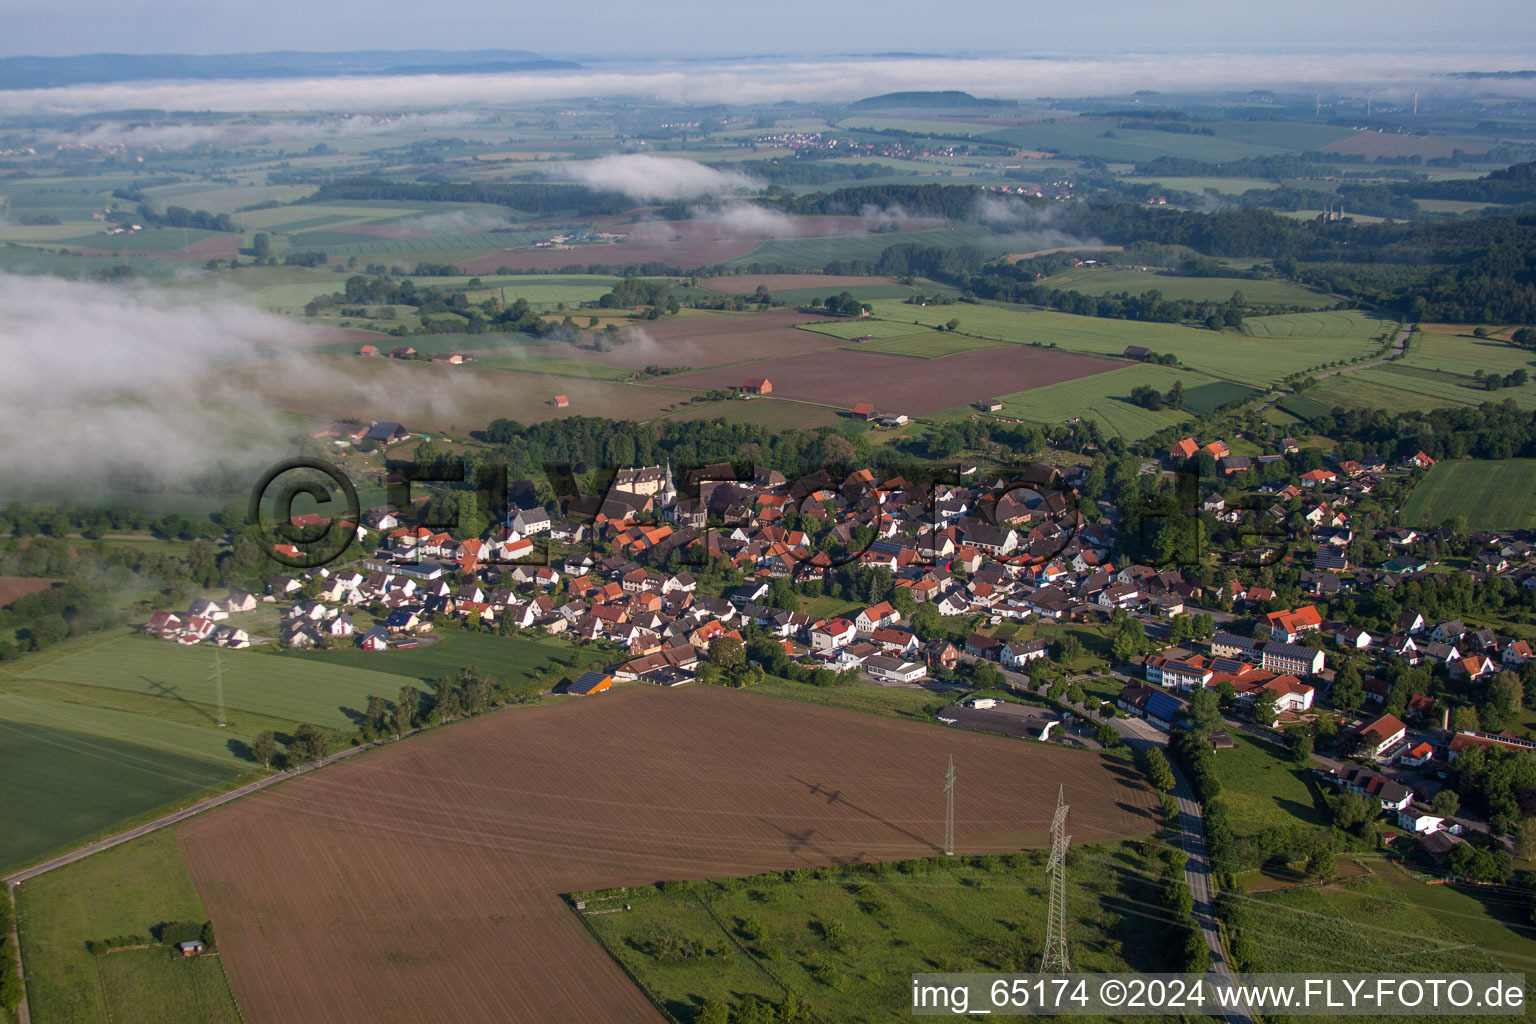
[517,807]
[844,377]
[1451,349]
[746,284]
[1499,495]
[502,657]
[1113,280]
[441,398]
[815,252]
[126,890]
[64,787]
[772,413]
[613,255]
[1106,398]
[1398,387]
[254,682]
[924,344]
[1310,340]
[1263,787]
[12,588]
[1206,398]
[846,940]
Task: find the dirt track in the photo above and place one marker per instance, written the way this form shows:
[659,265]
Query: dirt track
[422,882]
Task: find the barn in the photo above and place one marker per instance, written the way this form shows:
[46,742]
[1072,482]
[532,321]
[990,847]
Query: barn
[589,682]
[758,386]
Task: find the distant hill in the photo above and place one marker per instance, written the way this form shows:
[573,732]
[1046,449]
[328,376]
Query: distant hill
[948,99]
[45,72]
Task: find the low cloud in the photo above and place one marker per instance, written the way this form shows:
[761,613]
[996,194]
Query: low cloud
[107,383]
[176,135]
[842,79]
[453,222]
[748,220]
[654,178]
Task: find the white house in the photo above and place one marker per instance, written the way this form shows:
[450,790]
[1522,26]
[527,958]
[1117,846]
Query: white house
[1418,821]
[833,634]
[1021,652]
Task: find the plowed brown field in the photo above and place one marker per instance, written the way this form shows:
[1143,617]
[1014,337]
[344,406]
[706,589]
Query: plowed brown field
[422,882]
[841,377]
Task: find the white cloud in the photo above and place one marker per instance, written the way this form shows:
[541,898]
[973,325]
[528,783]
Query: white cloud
[653,178]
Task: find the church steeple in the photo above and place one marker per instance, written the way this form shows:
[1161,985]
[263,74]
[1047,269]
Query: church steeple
[668,489]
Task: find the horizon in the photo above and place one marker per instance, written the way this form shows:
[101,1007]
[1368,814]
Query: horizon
[694,29]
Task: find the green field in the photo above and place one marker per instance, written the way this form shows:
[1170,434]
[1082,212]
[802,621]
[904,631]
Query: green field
[924,345]
[1106,398]
[814,253]
[1405,388]
[148,240]
[65,787]
[1263,787]
[1499,495]
[501,656]
[1207,398]
[1310,340]
[179,676]
[126,890]
[846,940]
[850,329]
[1304,407]
[1113,280]
[863,292]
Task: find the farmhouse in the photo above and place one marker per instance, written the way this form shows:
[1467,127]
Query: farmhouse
[387,433]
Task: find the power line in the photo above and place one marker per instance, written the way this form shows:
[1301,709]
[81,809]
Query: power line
[1054,960]
[949,809]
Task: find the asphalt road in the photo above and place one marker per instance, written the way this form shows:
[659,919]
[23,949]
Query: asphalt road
[1197,872]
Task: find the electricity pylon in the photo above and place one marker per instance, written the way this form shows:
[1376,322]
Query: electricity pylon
[949,809]
[1054,960]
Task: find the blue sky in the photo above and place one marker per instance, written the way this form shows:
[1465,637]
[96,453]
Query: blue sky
[723,27]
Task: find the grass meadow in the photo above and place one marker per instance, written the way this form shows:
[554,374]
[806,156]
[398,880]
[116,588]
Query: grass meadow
[126,890]
[1263,787]
[845,941]
[1387,921]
